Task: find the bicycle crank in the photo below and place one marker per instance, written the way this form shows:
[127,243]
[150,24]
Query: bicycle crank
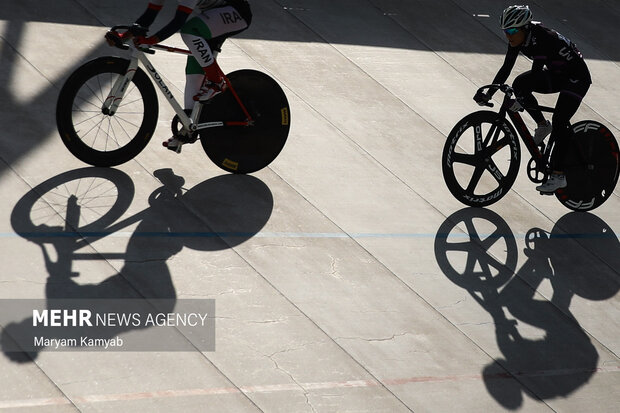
[180,134]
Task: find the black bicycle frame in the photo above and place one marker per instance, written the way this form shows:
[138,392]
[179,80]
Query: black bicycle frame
[541,158]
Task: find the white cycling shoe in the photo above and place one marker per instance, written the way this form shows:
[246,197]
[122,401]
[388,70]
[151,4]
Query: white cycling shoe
[209,90]
[553,183]
[174,144]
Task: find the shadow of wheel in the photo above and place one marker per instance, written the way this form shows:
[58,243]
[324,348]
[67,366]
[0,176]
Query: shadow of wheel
[470,259]
[81,200]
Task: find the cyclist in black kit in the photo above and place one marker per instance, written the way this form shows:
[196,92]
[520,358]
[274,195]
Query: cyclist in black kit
[557,66]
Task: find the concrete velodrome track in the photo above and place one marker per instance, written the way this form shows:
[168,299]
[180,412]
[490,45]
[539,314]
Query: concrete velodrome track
[350,278]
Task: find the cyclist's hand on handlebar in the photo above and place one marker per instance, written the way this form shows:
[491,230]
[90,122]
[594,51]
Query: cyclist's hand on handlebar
[482,98]
[139,34]
[114,38]
[135,31]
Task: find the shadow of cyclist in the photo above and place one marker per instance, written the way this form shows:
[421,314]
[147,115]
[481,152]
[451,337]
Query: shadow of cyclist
[562,358]
[214,215]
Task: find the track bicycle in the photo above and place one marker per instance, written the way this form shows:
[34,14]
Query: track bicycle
[107,112]
[481,157]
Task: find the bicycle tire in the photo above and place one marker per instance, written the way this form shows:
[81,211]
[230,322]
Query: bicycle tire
[247,149]
[495,162]
[101,196]
[94,137]
[591,167]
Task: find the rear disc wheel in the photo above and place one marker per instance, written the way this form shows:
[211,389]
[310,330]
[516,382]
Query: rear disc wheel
[591,167]
[246,149]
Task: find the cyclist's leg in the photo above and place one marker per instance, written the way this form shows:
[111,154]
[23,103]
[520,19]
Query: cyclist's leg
[568,102]
[528,82]
[194,78]
[201,34]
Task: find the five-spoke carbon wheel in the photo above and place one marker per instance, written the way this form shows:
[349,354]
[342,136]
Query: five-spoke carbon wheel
[481,159]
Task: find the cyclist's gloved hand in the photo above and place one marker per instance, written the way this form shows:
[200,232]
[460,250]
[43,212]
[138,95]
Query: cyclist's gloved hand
[482,98]
[113,38]
[118,39]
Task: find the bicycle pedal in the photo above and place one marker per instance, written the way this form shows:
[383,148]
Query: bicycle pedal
[176,148]
[188,139]
[546,193]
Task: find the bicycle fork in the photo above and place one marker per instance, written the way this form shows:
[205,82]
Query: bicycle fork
[113,101]
[115,97]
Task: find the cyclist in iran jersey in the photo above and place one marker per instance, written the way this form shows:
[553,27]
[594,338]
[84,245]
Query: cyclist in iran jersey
[557,66]
[204,34]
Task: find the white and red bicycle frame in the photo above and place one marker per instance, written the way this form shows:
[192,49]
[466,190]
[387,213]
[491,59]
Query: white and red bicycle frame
[138,54]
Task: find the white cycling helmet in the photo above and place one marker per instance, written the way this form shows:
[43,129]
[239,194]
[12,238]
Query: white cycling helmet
[515,16]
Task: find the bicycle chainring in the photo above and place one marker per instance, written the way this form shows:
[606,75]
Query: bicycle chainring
[177,131]
[534,173]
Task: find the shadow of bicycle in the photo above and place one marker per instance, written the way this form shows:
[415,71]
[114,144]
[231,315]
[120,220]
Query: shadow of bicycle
[69,214]
[476,249]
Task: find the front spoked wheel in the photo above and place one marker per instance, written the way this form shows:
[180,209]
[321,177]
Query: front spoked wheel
[87,129]
[246,149]
[481,158]
[591,166]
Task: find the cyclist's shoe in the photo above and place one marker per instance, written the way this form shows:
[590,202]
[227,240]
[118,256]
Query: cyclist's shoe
[209,90]
[542,132]
[179,139]
[174,144]
[556,181]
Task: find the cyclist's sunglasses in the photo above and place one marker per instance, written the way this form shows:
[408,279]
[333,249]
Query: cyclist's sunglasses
[512,30]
